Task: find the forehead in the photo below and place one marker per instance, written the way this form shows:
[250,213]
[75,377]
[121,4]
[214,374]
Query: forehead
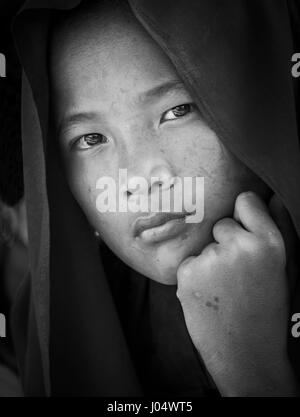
[106,55]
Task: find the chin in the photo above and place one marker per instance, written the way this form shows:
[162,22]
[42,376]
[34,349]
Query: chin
[161,264]
[164,276]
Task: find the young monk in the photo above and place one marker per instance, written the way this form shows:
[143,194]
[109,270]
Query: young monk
[207,309]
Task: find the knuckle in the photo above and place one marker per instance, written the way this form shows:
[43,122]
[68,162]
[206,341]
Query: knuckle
[184,274]
[270,247]
[220,225]
[274,239]
[182,292]
[226,226]
[276,245]
[184,271]
[179,293]
[251,245]
[210,252]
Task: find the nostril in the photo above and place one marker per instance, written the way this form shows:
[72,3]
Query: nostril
[164,185]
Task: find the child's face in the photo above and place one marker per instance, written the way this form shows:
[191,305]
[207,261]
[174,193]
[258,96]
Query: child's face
[117,98]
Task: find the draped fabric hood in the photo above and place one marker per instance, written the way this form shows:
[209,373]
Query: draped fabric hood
[236,58]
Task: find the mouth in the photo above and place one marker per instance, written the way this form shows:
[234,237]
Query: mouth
[160,226]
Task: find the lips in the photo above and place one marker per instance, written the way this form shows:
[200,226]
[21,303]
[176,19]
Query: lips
[156,220]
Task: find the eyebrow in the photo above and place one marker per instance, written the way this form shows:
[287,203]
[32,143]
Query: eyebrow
[76,117]
[161,90]
[147,96]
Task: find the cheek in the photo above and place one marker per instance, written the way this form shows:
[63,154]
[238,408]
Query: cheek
[83,175]
[197,152]
[194,150]
[228,178]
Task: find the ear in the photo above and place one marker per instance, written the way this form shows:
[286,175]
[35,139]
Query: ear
[8,224]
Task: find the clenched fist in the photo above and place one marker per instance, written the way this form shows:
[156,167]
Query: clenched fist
[235,301]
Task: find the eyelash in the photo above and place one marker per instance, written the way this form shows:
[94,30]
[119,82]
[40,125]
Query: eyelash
[189,106]
[185,108]
[90,135]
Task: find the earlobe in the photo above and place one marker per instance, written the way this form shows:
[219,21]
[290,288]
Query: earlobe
[8,225]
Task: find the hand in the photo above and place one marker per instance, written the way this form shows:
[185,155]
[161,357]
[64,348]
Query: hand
[235,301]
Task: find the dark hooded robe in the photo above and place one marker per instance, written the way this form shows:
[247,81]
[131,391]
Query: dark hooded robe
[84,324]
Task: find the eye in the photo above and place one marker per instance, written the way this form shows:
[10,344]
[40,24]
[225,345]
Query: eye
[177,112]
[90,140]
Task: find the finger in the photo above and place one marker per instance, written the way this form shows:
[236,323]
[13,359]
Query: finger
[185,273]
[254,216]
[284,223]
[186,266]
[291,242]
[226,229]
[196,268]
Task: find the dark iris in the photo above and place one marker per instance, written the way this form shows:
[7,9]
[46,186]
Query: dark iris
[94,138]
[181,110]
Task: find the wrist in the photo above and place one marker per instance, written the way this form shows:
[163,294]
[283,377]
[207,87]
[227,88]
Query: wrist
[275,380]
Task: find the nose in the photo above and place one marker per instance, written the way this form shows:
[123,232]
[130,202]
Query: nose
[157,174]
[148,175]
